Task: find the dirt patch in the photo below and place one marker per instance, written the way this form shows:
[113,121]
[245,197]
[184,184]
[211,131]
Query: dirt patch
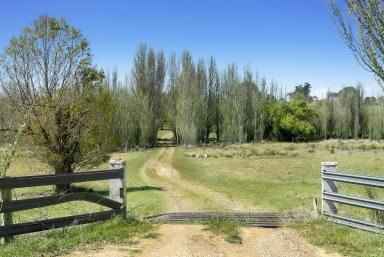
[194,241]
[282,242]
[106,251]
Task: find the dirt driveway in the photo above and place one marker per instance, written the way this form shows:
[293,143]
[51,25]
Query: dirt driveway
[194,241]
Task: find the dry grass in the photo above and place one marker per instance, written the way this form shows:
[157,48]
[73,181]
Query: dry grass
[265,149]
[240,151]
[349,145]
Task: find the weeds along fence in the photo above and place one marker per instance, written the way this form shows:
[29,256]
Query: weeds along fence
[331,197]
[117,200]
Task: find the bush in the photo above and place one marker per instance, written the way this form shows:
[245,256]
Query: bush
[290,147]
[332,149]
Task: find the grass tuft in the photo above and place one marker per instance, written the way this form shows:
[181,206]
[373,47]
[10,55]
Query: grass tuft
[376,216]
[347,241]
[229,229]
[152,235]
[63,241]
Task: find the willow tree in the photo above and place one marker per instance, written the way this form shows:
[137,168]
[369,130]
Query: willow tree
[361,24]
[324,115]
[348,112]
[47,73]
[375,119]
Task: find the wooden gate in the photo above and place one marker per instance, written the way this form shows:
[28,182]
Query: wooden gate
[117,200]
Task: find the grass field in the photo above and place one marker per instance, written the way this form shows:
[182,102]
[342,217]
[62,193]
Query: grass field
[265,176]
[274,176]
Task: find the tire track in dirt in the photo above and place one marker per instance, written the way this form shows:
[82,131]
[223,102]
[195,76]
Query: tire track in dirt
[178,188]
[177,202]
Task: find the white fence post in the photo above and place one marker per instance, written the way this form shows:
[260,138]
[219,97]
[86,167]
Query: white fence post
[328,186]
[118,187]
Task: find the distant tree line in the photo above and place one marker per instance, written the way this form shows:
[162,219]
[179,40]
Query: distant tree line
[201,104]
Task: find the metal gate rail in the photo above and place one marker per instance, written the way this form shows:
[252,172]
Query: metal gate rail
[331,197]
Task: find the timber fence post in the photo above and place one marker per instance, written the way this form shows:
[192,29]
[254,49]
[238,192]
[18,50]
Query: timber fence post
[6,196]
[118,187]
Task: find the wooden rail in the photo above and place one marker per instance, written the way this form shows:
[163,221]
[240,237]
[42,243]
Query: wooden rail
[65,178]
[117,200]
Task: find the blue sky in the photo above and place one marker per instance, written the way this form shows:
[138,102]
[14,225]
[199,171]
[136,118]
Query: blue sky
[289,41]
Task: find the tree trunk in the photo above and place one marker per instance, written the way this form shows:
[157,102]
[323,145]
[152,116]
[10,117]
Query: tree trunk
[63,188]
[217,132]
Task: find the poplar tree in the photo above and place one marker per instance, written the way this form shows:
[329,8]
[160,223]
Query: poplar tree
[215,116]
[148,81]
[233,106]
[201,102]
[249,91]
[260,102]
[186,118]
[171,95]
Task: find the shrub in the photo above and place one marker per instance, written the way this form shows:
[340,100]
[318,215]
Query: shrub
[290,147]
[311,148]
[332,149]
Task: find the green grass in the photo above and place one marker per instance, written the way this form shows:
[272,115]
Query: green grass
[142,197]
[345,240]
[63,241]
[257,181]
[274,182]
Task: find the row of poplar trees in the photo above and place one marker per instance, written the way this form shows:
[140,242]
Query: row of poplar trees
[194,99]
[199,103]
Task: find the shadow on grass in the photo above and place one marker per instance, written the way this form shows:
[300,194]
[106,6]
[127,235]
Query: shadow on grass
[145,188]
[78,189]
